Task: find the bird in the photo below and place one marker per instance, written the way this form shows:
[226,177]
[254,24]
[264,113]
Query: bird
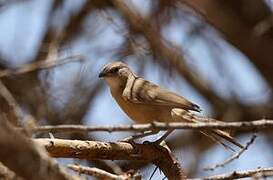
[145,102]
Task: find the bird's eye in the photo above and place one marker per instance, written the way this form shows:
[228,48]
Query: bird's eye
[114,70]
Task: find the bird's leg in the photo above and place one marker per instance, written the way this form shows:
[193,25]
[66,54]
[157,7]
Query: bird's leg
[167,133]
[138,136]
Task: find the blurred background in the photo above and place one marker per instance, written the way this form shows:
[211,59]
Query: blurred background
[216,53]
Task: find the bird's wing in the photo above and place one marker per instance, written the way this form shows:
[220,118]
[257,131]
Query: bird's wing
[146,92]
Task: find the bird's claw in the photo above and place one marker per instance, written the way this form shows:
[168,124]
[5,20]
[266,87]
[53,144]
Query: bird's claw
[157,142]
[129,139]
[147,142]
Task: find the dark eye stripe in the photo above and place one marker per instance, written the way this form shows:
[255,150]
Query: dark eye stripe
[114,70]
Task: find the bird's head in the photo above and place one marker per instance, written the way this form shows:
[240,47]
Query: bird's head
[115,74]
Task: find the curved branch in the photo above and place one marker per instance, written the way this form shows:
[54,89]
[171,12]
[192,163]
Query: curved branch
[91,150]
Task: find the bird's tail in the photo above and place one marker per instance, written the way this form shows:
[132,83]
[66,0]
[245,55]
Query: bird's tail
[221,137]
[217,140]
[226,136]
[217,135]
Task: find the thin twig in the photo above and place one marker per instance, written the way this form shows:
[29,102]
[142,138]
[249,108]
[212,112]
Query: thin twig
[233,157]
[257,173]
[40,65]
[99,173]
[153,173]
[244,125]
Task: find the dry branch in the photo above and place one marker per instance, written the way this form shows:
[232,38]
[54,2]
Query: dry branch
[92,150]
[256,173]
[102,174]
[247,125]
[7,174]
[25,158]
[233,157]
[12,103]
[38,65]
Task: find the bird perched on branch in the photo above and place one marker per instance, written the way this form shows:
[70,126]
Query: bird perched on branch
[145,102]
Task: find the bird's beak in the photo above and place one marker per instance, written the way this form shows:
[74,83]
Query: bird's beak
[102,74]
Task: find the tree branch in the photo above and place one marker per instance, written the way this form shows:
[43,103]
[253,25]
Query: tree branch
[244,125]
[256,173]
[23,157]
[38,65]
[15,110]
[7,174]
[92,150]
[233,157]
[102,174]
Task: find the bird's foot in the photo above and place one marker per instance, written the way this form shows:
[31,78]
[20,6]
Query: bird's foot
[129,139]
[159,141]
[156,143]
[162,138]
